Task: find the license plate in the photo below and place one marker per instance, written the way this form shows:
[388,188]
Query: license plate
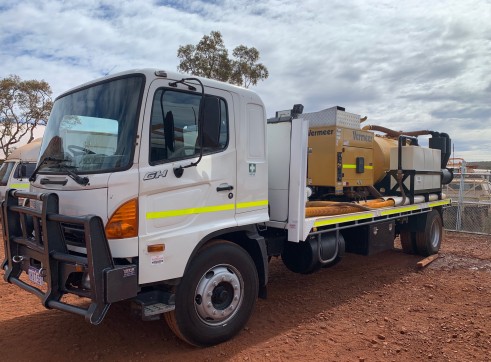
[35,276]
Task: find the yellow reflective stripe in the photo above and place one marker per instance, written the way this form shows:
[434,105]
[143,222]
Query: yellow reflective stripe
[439,203]
[354,166]
[203,210]
[398,210]
[368,216]
[19,186]
[191,211]
[343,219]
[243,205]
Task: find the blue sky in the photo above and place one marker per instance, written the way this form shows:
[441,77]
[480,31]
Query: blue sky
[406,65]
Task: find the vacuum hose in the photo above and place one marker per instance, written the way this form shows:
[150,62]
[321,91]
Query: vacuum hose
[330,208]
[395,134]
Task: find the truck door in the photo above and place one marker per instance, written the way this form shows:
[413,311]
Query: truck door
[176,212]
[21,174]
[5,172]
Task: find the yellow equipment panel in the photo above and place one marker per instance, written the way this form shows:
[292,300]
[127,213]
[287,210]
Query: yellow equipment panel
[340,157]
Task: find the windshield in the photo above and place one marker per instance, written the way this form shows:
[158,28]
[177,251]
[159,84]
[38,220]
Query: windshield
[5,171]
[93,130]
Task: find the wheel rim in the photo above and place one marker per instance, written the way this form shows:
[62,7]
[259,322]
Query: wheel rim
[435,234]
[219,294]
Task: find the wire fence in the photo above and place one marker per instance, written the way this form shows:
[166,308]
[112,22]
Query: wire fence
[471,203]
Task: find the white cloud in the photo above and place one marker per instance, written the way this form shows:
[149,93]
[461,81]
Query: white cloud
[406,65]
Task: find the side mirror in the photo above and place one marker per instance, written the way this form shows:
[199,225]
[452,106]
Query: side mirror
[21,171]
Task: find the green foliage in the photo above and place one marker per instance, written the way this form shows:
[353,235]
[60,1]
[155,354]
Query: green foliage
[23,106]
[209,58]
[245,69]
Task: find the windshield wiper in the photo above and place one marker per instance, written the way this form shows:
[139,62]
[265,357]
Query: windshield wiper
[78,179]
[36,170]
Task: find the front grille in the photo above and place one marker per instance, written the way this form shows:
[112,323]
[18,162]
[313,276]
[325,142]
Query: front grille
[74,234]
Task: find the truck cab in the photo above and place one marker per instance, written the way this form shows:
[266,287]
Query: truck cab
[18,167]
[167,165]
[155,173]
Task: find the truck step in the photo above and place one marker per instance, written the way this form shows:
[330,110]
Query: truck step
[150,312]
[157,308]
[150,305]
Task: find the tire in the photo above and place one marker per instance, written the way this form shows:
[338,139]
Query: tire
[428,241]
[216,295]
[408,241]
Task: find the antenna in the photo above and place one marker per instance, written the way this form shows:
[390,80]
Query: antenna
[109,71]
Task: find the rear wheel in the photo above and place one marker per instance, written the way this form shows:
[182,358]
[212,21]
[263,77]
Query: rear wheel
[428,241]
[216,295]
[408,241]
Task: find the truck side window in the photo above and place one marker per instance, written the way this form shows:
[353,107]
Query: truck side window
[29,167]
[5,172]
[174,125]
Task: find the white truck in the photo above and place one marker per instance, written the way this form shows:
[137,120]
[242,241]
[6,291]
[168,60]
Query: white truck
[174,192]
[18,167]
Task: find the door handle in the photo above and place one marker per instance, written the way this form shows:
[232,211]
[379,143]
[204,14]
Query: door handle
[47,181]
[224,187]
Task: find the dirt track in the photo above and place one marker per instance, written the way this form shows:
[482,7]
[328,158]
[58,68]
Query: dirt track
[364,309]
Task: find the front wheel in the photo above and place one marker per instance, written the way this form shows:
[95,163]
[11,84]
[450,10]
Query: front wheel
[216,295]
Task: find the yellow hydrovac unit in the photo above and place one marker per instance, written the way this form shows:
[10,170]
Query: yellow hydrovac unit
[343,157]
[340,153]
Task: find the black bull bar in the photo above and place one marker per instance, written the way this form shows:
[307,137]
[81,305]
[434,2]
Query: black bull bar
[35,242]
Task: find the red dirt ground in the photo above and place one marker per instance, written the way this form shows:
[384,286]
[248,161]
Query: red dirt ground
[377,308]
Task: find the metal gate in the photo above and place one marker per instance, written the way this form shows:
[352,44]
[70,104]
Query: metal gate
[471,202]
